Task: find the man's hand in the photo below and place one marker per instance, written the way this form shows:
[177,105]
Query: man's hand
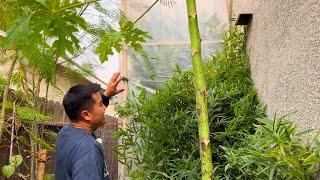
[112,85]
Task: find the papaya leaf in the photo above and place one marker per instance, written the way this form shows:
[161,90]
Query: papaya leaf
[29,114]
[42,142]
[112,40]
[18,33]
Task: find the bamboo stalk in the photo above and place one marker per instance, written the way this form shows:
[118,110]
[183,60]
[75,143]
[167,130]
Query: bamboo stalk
[200,88]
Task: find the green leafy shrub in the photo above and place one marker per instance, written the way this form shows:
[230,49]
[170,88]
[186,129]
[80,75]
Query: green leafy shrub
[232,98]
[162,128]
[161,140]
[275,151]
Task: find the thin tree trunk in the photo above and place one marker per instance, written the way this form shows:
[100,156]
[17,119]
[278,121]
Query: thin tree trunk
[12,128]
[44,111]
[5,95]
[33,148]
[34,128]
[200,88]
[33,152]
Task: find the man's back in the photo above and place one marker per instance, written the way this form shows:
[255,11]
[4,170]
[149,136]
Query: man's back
[78,156]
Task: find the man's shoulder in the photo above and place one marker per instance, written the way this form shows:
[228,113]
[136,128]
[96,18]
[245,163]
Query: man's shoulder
[70,136]
[73,146]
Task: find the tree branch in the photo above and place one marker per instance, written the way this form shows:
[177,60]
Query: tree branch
[155,2]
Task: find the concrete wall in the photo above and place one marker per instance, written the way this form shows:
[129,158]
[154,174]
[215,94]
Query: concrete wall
[284,49]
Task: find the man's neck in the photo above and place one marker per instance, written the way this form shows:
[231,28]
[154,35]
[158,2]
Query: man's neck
[82,125]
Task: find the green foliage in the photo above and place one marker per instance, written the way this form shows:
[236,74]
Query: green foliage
[8,14]
[43,62]
[18,33]
[275,151]
[15,161]
[46,145]
[41,32]
[233,103]
[17,79]
[8,170]
[162,138]
[48,176]
[132,35]
[162,129]
[44,31]
[113,40]
[30,114]
[3,83]
[46,19]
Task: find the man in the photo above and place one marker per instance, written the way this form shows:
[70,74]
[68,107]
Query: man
[78,155]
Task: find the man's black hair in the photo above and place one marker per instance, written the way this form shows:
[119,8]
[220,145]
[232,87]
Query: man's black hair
[79,98]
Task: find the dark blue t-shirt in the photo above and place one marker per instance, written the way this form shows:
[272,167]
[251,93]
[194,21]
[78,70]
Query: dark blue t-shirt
[79,156]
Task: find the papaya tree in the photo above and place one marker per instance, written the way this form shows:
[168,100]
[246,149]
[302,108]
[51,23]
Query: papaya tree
[42,34]
[48,29]
[200,90]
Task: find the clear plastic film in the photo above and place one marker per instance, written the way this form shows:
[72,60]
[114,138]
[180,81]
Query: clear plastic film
[167,23]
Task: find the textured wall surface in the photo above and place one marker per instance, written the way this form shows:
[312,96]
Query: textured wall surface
[284,49]
[64,81]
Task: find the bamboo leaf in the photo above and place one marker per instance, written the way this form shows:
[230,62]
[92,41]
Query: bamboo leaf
[272,171]
[310,159]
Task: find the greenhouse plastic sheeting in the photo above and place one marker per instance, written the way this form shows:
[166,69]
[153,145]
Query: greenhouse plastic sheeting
[167,23]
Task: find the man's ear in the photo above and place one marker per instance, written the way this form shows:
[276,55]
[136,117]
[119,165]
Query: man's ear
[85,115]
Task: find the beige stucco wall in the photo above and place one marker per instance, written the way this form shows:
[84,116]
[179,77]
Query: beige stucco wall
[284,49]
[64,82]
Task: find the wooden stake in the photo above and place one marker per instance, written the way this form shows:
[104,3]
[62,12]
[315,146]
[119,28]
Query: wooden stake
[42,159]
